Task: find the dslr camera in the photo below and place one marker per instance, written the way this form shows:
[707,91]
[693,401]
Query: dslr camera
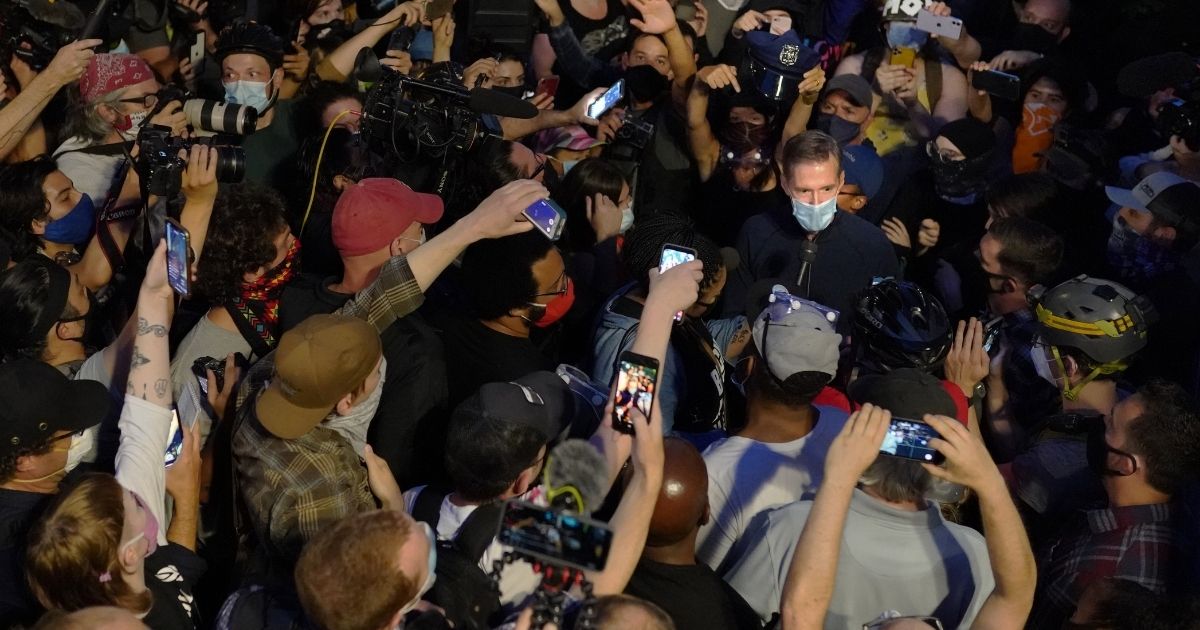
[34,30]
[161,166]
[1178,117]
[634,132]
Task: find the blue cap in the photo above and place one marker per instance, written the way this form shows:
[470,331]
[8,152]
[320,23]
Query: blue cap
[421,48]
[778,62]
[863,168]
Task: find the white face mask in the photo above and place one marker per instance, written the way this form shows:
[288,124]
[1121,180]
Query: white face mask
[815,218]
[83,447]
[250,93]
[353,426]
[626,218]
[136,120]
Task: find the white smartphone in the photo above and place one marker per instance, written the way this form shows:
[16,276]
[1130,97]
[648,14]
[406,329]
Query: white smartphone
[948,27]
[197,51]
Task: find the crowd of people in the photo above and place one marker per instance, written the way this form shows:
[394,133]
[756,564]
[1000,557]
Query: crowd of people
[321,314]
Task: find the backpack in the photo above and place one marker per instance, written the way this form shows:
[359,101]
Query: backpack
[462,589]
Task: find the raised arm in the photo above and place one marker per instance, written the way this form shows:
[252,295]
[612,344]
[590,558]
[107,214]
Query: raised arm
[18,115]
[658,18]
[516,128]
[801,112]
[808,588]
[574,61]
[340,63]
[704,145]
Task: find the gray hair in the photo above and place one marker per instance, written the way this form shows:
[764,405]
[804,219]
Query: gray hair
[85,120]
[897,480]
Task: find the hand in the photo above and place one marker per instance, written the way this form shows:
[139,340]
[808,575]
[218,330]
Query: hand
[382,481]
[978,66]
[199,7]
[893,78]
[485,68]
[200,177]
[500,214]
[700,22]
[647,442]
[1013,59]
[183,477]
[750,21]
[219,400]
[579,111]
[542,101]
[811,86]
[658,16]
[927,234]
[896,232]
[295,65]
[172,116]
[398,61]
[718,77]
[604,215]
[968,462]
[407,14]
[525,621]
[614,445]
[678,288]
[443,36]
[967,363]
[155,284]
[553,11]
[609,124]
[187,72]
[857,446]
[71,60]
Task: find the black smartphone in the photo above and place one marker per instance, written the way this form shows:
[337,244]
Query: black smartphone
[402,38]
[178,248]
[437,9]
[606,101]
[991,333]
[558,538]
[548,217]
[999,84]
[910,439]
[671,256]
[637,380]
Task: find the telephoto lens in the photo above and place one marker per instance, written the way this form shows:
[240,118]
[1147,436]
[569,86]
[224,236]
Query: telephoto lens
[231,164]
[220,117]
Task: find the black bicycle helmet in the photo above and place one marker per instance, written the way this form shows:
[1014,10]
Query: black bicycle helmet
[253,38]
[899,325]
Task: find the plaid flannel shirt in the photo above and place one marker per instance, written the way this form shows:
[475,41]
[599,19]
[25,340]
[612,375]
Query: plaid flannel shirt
[1130,543]
[292,489]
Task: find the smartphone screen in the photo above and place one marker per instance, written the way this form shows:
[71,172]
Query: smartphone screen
[910,439]
[637,378]
[561,538]
[177,258]
[1000,84]
[547,85]
[991,332]
[175,445]
[671,256]
[607,101]
[547,217]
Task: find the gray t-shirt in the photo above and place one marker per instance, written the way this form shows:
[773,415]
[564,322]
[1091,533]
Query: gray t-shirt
[916,563]
[206,339]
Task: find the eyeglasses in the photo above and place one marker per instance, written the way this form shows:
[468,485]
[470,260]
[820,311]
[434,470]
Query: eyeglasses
[147,100]
[561,282]
[541,160]
[934,153]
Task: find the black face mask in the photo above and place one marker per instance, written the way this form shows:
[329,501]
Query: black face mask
[1035,38]
[1098,450]
[337,29]
[516,91]
[841,129]
[960,179]
[644,83]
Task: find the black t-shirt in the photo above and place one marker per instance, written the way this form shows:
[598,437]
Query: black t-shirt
[693,595]
[18,511]
[720,210]
[412,407]
[171,573]
[477,355]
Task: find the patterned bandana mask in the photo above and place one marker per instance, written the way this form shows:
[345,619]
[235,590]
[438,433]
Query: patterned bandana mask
[256,310]
[1134,258]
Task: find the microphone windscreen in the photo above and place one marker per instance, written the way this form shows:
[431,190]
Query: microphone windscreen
[64,15]
[485,101]
[808,250]
[577,464]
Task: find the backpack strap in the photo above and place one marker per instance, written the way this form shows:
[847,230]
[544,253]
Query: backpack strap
[933,81]
[428,506]
[478,531]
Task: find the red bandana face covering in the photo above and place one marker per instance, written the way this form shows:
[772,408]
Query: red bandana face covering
[256,310]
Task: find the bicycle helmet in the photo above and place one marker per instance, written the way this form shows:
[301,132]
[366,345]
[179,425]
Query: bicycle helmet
[253,38]
[899,325]
[1102,319]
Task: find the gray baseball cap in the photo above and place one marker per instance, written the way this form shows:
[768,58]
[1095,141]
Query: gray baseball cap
[801,339]
[1163,194]
[854,85]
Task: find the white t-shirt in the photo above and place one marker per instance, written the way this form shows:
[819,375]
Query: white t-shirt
[747,477]
[139,465]
[518,581]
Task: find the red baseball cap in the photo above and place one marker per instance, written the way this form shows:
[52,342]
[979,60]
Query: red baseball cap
[373,212]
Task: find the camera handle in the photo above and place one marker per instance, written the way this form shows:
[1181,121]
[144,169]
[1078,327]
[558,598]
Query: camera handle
[551,593]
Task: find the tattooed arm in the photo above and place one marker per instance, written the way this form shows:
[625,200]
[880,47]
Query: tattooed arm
[150,363]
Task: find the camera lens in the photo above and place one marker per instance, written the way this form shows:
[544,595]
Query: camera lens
[220,117]
[231,164]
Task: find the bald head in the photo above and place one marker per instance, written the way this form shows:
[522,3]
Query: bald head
[683,500]
[630,613]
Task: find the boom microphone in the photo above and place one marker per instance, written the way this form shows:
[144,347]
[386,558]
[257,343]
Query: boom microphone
[576,477]
[485,101]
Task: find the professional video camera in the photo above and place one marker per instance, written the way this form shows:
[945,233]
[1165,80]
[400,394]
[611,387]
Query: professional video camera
[34,30]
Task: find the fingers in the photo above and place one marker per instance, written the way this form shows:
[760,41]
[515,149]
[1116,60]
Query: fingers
[588,207]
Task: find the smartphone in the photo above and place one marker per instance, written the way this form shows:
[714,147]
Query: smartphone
[437,9]
[1000,84]
[991,332]
[948,27]
[197,51]
[559,538]
[548,217]
[903,56]
[294,35]
[547,85]
[910,439]
[402,38]
[637,379]
[175,444]
[178,248]
[607,101]
[671,256]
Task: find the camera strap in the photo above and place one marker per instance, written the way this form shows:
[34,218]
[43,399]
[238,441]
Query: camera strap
[110,214]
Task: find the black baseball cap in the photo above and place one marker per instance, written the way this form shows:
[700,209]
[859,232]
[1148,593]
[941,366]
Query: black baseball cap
[540,400]
[907,393]
[36,400]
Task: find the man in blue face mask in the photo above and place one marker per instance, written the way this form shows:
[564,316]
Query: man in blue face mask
[829,255]
[251,57]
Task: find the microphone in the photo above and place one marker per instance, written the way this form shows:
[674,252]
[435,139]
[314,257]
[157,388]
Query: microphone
[576,477]
[64,15]
[485,101]
[808,255]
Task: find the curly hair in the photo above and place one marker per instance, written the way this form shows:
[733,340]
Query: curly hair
[78,541]
[8,463]
[497,273]
[22,201]
[246,218]
[644,242]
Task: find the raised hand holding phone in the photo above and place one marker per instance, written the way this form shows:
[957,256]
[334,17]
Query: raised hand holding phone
[636,385]
[673,256]
[178,250]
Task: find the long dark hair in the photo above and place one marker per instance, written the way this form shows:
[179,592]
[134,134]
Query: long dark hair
[590,176]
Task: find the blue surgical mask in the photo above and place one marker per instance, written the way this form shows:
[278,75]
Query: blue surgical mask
[76,227]
[905,35]
[568,165]
[815,218]
[251,93]
[626,218]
